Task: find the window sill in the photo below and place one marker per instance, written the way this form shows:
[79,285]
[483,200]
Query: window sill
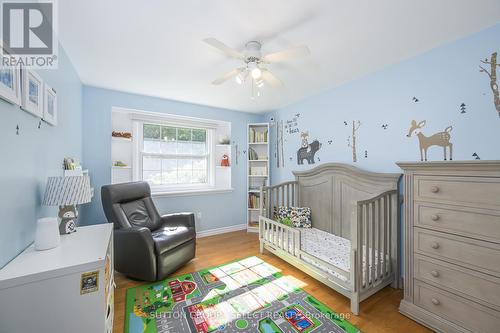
[186,193]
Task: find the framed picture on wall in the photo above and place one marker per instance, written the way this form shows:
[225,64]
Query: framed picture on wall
[10,82]
[49,105]
[32,92]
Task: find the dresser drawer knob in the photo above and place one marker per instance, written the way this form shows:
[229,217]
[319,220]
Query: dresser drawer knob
[434,189]
[435,217]
[435,245]
[435,273]
[435,301]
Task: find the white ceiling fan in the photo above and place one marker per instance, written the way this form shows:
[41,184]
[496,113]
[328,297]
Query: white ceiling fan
[254,63]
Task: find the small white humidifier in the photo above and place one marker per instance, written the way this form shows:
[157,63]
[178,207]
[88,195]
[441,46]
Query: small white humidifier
[47,234]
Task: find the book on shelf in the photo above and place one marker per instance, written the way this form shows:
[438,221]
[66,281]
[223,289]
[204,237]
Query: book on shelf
[253,200]
[257,136]
[252,154]
[253,224]
[258,171]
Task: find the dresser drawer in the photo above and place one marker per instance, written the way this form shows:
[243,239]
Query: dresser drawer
[461,311]
[464,251]
[472,191]
[480,287]
[469,222]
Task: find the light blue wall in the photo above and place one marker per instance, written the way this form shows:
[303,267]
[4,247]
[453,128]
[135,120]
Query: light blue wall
[33,155]
[218,210]
[441,79]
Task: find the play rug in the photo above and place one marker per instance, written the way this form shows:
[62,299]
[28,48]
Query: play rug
[248,295]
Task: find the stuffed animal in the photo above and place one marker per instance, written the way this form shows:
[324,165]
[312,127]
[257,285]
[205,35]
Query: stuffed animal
[225,161]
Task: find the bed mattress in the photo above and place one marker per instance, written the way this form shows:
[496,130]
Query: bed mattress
[333,249]
[330,248]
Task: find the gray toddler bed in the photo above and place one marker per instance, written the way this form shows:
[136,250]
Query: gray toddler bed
[353,245]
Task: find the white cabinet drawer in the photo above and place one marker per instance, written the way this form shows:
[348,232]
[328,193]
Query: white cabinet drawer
[482,192]
[470,222]
[474,254]
[468,314]
[479,287]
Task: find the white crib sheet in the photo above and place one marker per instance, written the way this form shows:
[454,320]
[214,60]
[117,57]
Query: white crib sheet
[333,249]
[330,248]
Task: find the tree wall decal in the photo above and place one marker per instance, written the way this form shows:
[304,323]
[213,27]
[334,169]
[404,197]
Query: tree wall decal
[492,73]
[351,140]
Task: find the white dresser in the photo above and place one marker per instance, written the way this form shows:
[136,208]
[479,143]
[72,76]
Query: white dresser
[66,289]
[452,245]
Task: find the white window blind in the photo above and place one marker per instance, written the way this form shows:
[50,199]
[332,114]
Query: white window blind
[173,157]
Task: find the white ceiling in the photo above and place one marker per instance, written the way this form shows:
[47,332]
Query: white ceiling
[155,48]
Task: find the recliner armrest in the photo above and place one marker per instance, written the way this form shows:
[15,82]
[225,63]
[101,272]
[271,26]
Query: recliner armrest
[135,253]
[178,219]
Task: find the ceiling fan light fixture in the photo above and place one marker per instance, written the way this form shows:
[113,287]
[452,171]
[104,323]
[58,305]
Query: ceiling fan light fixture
[255,64]
[256,73]
[239,79]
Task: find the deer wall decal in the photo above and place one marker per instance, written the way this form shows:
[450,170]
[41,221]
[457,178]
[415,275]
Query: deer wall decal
[441,139]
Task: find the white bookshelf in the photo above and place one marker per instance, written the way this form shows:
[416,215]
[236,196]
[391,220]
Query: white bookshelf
[121,149]
[257,170]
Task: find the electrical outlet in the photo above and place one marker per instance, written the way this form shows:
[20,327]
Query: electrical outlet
[198,215]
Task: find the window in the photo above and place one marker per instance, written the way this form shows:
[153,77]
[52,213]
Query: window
[178,155]
[175,157]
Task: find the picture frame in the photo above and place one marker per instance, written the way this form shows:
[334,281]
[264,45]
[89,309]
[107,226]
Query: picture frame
[49,105]
[32,92]
[89,282]
[10,82]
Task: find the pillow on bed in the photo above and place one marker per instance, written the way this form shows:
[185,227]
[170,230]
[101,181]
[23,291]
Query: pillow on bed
[298,217]
[301,217]
[281,212]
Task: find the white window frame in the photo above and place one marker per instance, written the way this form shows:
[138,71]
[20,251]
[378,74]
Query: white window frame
[138,121]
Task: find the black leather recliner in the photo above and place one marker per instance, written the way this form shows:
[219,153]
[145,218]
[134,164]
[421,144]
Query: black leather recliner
[147,246]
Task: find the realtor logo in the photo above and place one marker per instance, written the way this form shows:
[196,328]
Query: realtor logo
[28,34]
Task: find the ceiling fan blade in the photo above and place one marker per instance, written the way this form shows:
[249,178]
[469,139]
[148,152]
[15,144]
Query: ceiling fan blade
[293,52]
[269,77]
[224,48]
[228,76]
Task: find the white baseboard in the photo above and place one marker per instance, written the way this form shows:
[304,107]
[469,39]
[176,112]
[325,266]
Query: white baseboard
[223,230]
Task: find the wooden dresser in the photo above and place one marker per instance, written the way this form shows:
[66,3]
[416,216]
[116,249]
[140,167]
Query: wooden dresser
[452,245]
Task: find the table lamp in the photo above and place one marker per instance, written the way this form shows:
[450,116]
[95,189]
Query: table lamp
[67,192]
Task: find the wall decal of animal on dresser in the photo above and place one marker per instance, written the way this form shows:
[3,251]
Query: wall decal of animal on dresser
[441,139]
[307,150]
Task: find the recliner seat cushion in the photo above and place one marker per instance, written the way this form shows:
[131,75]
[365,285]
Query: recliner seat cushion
[167,238]
[170,261]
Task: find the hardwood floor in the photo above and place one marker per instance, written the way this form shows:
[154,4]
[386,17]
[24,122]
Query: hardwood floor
[378,313]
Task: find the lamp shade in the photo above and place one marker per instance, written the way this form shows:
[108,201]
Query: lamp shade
[69,190]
